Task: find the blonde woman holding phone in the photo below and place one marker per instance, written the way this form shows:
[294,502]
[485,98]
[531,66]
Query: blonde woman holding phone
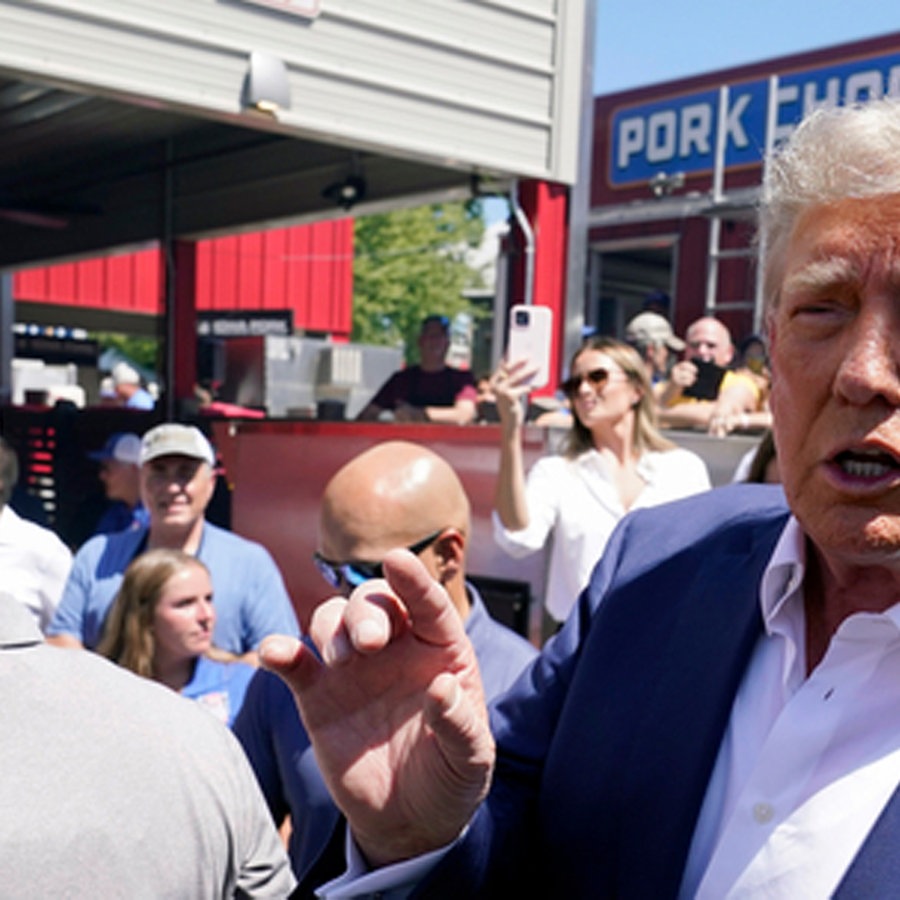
[613,460]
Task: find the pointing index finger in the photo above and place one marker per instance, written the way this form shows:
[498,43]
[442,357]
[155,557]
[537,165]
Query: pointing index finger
[432,615]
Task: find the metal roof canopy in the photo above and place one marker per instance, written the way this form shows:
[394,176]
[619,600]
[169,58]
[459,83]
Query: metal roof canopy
[122,121]
[80,174]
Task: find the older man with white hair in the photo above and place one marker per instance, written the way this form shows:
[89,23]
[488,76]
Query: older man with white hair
[127,385]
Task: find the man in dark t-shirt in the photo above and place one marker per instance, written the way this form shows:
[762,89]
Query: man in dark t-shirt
[431,391]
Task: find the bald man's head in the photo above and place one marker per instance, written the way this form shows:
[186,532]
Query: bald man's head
[393,495]
[710,340]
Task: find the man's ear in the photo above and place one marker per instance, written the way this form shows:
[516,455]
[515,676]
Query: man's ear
[449,553]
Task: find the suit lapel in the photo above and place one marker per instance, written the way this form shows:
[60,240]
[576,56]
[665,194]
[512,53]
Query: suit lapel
[699,669]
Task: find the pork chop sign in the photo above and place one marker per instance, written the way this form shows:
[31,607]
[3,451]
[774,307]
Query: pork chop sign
[678,133]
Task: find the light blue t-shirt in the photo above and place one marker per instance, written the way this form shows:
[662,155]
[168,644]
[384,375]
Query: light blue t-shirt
[219,686]
[249,595]
[140,399]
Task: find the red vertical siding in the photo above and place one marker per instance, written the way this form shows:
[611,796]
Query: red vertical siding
[307,269]
[125,283]
[546,206]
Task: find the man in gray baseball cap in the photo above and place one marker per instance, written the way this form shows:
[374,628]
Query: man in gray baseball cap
[652,336]
[177,483]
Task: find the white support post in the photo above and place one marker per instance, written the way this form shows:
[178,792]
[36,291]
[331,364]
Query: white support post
[715,222]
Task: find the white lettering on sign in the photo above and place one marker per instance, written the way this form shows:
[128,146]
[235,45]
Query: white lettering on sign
[687,131]
[682,130]
[812,98]
[863,86]
[734,129]
[662,129]
[696,128]
[631,140]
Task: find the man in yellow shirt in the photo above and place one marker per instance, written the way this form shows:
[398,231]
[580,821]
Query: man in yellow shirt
[702,392]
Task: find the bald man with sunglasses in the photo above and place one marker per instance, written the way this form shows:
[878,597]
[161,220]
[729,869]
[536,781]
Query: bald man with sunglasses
[396,494]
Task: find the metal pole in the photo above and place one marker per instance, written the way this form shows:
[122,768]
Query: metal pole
[528,232]
[168,285]
[7,342]
[577,282]
[715,222]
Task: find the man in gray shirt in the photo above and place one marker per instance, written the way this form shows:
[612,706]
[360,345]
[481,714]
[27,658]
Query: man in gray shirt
[114,786]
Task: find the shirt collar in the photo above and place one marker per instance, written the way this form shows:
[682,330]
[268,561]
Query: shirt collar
[646,465]
[477,611]
[784,574]
[779,592]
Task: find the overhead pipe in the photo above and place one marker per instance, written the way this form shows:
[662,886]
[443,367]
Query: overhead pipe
[528,232]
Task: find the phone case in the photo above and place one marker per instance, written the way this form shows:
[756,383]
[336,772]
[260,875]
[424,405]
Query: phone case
[530,337]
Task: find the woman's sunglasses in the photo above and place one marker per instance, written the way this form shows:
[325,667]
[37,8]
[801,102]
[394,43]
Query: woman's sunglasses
[353,574]
[597,378]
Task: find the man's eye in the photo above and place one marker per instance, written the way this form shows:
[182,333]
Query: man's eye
[818,308]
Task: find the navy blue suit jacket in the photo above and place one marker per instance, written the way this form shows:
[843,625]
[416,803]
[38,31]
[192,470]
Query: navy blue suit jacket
[607,742]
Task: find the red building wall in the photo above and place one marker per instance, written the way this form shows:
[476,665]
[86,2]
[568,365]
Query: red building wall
[307,269]
[546,206]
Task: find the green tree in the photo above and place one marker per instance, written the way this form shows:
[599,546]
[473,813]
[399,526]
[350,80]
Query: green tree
[142,350]
[408,264]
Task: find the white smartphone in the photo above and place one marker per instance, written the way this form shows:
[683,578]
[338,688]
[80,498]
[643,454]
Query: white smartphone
[531,337]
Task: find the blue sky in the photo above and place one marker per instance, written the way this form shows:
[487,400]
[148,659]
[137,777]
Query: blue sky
[640,42]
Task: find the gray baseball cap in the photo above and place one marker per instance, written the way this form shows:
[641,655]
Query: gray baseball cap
[172,439]
[652,328]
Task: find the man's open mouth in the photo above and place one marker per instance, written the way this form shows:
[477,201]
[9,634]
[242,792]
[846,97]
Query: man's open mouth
[867,463]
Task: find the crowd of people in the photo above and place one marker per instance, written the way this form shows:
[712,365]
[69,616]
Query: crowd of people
[713,716]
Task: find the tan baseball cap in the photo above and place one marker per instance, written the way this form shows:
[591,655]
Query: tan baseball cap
[650,327]
[172,439]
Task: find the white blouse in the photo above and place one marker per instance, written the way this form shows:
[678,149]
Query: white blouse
[576,502]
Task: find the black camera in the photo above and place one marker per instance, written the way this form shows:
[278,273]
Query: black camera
[521,317]
[709,379]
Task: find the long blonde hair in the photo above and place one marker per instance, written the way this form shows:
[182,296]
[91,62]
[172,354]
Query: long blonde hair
[128,634]
[646,435]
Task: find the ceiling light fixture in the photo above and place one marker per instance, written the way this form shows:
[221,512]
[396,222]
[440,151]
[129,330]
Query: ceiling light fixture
[346,193]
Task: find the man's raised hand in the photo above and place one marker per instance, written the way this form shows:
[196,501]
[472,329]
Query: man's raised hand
[394,709]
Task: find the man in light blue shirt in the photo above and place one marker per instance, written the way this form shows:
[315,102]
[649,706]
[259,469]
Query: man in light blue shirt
[127,382]
[177,482]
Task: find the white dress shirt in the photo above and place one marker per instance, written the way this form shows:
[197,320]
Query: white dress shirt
[35,564]
[576,501]
[808,763]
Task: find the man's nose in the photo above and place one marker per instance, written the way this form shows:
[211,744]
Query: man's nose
[870,366]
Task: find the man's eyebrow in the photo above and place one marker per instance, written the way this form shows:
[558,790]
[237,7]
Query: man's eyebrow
[823,273]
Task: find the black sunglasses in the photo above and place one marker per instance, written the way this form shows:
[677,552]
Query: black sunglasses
[597,378]
[355,573]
